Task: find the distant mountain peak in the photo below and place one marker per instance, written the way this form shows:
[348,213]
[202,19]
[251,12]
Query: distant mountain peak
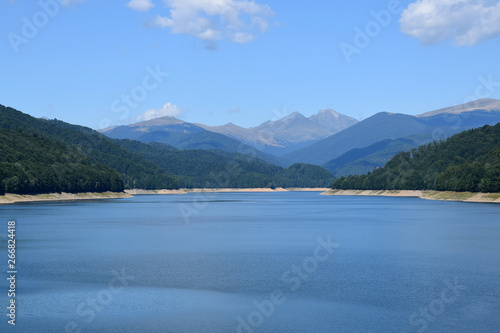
[285,122]
[329,112]
[162,121]
[332,120]
[387,114]
[294,115]
[485,104]
[230,125]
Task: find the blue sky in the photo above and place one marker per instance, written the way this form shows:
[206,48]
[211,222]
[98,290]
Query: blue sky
[102,63]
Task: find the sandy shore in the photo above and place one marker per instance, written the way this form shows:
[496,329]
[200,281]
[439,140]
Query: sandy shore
[14,198]
[225,190]
[430,195]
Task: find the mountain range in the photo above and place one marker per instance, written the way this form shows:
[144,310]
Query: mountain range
[385,134]
[278,137]
[43,155]
[185,136]
[329,139]
[272,138]
[48,155]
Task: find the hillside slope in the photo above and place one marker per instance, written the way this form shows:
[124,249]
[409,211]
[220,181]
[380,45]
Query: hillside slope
[359,161]
[469,161]
[31,164]
[379,127]
[219,169]
[135,170]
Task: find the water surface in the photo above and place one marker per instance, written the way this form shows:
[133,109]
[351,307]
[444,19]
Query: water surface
[139,265]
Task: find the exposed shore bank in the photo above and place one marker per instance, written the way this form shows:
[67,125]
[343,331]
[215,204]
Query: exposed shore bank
[224,190]
[9,198]
[430,195]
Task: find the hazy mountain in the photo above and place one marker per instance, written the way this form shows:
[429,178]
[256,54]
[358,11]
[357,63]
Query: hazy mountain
[293,131]
[164,124]
[485,104]
[288,133]
[184,135]
[332,120]
[359,161]
[254,138]
[435,125]
[381,126]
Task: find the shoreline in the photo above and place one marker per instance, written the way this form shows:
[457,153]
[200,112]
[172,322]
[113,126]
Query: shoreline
[10,198]
[224,190]
[428,195]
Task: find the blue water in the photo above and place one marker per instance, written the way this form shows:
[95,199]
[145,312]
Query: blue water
[254,262]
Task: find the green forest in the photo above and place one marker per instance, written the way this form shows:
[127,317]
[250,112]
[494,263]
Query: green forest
[219,169]
[466,162]
[45,156]
[30,164]
[134,170]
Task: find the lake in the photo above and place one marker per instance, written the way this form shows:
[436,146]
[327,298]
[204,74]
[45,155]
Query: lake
[254,262]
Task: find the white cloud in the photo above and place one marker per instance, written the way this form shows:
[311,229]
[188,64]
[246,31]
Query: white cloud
[464,22]
[212,20]
[141,5]
[167,110]
[235,109]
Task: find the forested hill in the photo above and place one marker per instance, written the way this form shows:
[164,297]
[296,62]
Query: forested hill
[219,169]
[30,164]
[43,156]
[135,171]
[468,161]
